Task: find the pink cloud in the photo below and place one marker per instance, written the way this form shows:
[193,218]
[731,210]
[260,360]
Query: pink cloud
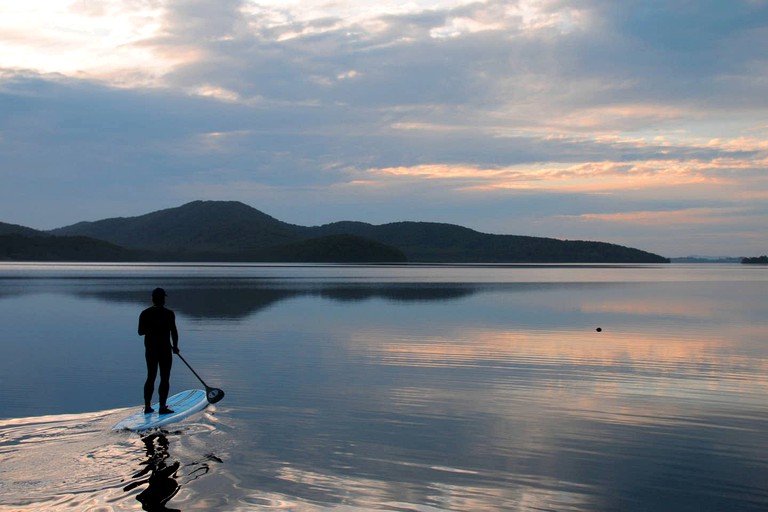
[688,216]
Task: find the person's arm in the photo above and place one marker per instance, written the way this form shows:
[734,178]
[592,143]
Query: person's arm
[142,327]
[174,333]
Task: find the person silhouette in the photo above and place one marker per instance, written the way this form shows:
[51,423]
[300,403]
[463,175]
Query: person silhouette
[158,326]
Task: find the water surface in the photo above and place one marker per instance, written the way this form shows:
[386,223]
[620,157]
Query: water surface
[421,388]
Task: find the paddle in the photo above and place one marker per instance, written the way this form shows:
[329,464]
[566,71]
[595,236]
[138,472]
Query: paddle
[212,394]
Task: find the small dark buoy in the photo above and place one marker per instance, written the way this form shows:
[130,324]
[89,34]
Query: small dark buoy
[599,329]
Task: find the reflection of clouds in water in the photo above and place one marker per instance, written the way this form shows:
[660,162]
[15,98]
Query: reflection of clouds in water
[566,385]
[574,432]
[661,306]
[503,397]
[430,489]
[702,355]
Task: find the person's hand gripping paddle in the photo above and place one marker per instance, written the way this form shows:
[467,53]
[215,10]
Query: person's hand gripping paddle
[212,394]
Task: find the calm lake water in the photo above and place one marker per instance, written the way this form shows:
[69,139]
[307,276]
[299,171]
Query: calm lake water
[416,388]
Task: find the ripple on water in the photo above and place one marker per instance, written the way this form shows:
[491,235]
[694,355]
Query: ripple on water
[75,462]
[57,461]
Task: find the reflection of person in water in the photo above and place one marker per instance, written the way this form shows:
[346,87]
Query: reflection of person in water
[164,480]
[161,483]
[158,326]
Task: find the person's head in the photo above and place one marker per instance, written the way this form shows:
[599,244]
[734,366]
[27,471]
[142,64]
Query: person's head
[158,296]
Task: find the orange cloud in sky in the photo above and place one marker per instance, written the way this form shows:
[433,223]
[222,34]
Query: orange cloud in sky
[586,177]
[738,162]
[613,118]
[709,216]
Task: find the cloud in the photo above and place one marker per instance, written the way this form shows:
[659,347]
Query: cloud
[97,39]
[591,177]
[686,217]
[548,117]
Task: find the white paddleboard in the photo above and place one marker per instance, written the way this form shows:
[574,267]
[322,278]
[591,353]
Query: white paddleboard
[183,404]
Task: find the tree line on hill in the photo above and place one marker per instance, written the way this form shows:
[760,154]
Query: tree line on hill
[233,231]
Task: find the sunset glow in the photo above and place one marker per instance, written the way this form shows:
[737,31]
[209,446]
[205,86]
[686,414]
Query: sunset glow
[444,110]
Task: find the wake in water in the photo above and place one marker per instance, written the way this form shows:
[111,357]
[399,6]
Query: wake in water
[75,462]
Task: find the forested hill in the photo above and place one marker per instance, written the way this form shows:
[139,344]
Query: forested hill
[435,243]
[229,231]
[15,229]
[200,226]
[20,247]
[20,243]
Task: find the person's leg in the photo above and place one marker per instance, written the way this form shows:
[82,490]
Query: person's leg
[149,384]
[166,361]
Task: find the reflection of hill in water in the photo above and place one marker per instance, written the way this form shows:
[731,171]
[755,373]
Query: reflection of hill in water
[398,293]
[234,301]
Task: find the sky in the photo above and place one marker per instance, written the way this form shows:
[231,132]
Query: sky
[637,122]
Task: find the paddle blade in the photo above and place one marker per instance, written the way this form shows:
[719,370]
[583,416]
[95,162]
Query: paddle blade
[214,395]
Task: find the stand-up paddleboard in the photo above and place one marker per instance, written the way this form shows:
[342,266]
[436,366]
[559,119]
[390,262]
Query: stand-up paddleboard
[182,404]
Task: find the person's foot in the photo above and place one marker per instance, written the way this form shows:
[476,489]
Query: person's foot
[165,410]
[148,409]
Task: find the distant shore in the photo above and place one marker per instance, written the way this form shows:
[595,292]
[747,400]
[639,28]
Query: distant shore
[760,260]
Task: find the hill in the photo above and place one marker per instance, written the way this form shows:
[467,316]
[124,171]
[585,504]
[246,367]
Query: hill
[199,226]
[337,249]
[19,243]
[18,247]
[434,243]
[14,229]
[230,230]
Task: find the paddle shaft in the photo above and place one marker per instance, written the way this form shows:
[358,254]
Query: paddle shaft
[212,394]
[193,371]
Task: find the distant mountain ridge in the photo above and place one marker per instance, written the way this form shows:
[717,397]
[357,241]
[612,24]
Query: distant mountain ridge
[233,231]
